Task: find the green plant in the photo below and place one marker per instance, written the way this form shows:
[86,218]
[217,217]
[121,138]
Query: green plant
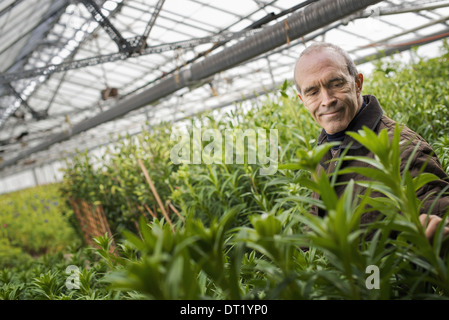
[235,234]
[33,222]
[408,261]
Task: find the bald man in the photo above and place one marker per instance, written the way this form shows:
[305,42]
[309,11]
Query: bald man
[330,87]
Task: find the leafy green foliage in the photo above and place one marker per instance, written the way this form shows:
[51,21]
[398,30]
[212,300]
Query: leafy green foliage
[415,95]
[241,235]
[33,222]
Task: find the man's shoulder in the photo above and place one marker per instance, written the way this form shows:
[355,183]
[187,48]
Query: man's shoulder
[390,124]
[386,122]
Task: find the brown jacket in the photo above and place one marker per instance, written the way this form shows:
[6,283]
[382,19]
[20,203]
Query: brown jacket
[372,116]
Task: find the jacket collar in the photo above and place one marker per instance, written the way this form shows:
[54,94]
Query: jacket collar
[369,117]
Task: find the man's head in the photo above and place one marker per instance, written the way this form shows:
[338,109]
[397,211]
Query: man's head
[329,86]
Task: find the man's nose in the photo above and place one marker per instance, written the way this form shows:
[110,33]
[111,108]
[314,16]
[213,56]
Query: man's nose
[327,98]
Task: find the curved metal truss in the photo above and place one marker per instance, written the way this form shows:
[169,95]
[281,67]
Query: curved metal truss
[76,73]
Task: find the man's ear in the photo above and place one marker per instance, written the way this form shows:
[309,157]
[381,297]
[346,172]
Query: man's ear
[300,97]
[359,82]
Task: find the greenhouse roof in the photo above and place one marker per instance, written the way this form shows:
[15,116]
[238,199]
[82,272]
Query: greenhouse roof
[76,73]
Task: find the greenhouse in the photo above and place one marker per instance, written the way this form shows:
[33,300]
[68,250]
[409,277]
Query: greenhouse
[168,150]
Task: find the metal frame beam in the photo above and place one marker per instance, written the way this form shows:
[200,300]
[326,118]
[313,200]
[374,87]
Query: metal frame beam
[92,61]
[311,18]
[122,44]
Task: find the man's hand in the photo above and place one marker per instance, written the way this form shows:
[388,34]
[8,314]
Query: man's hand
[430,224]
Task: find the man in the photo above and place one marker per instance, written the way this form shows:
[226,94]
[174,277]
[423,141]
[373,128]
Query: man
[330,87]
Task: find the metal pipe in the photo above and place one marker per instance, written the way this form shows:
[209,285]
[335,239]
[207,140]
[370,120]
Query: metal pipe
[298,24]
[399,47]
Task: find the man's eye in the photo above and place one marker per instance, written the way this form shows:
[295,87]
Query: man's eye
[338,84]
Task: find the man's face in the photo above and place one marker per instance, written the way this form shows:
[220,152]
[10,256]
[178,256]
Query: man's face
[328,91]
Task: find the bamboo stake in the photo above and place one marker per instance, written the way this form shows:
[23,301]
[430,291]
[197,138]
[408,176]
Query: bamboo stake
[153,189]
[90,226]
[137,229]
[105,224]
[176,211]
[142,211]
[106,229]
[149,210]
[81,219]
